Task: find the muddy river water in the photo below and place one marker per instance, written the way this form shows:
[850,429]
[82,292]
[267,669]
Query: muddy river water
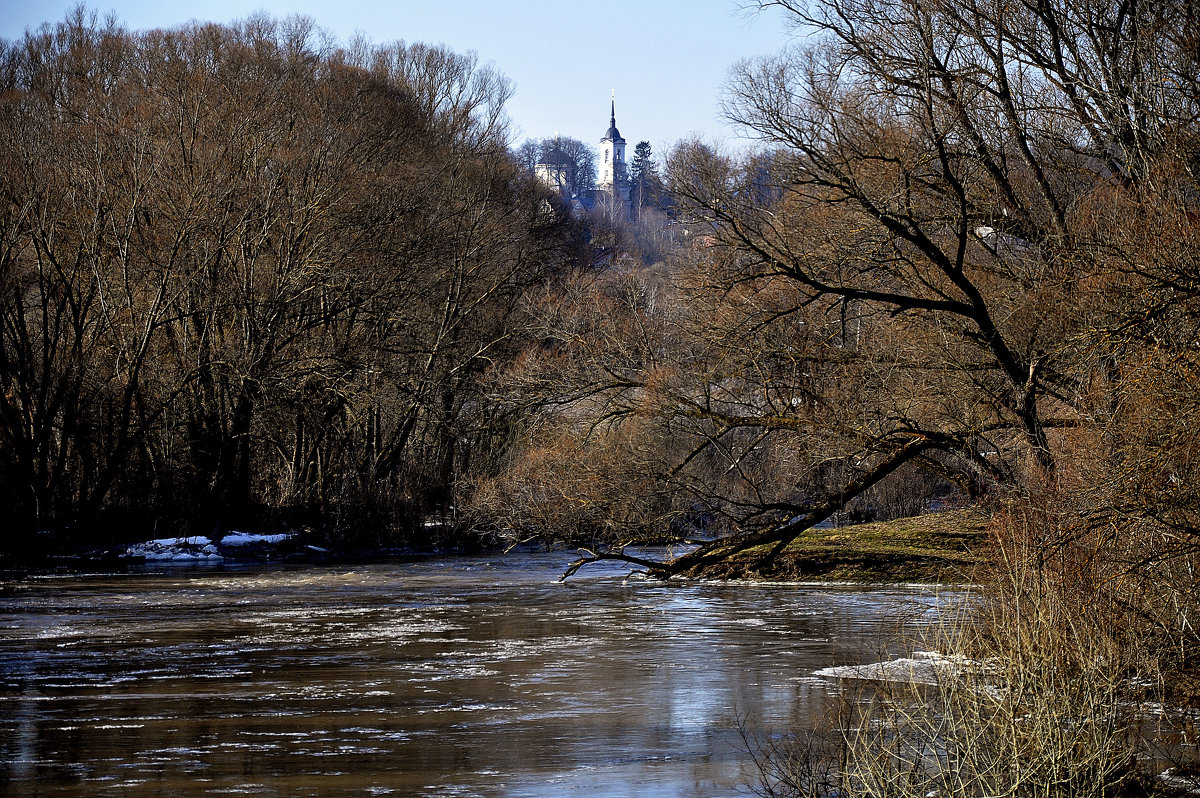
[466,676]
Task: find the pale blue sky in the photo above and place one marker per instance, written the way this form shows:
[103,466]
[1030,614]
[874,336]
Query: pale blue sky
[666,59]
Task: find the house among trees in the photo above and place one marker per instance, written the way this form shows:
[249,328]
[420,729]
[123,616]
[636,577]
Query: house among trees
[555,169]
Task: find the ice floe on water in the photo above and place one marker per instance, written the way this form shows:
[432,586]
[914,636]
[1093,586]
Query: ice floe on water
[1181,780]
[923,667]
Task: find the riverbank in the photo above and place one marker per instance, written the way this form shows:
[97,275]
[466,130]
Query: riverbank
[52,552]
[948,547]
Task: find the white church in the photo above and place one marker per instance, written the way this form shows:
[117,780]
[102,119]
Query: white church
[612,187]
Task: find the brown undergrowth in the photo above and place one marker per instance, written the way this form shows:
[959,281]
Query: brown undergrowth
[1055,679]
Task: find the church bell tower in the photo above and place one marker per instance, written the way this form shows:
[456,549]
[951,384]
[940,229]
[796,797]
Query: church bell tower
[614,175]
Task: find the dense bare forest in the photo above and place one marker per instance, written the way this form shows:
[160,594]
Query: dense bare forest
[253,277]
[248,278]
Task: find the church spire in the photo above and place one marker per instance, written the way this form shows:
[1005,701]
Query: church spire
[612,134]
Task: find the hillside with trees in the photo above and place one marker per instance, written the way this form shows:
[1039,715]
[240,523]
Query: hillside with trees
[963,259]
[250,278]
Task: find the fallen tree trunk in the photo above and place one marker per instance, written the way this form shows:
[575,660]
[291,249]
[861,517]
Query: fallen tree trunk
[777,536]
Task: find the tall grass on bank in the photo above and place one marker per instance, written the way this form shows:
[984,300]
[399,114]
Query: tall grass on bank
[1041,689]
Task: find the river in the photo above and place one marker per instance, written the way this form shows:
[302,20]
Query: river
[463,676]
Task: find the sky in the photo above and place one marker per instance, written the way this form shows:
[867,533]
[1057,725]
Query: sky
[666,59]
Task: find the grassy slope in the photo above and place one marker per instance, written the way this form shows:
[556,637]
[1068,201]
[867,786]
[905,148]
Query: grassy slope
[939,547]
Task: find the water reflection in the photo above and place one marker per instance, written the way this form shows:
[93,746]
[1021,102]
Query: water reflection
[472,676]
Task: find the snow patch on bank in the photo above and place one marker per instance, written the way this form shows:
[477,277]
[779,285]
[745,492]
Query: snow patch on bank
[174,550]
[236,539]
[200,548]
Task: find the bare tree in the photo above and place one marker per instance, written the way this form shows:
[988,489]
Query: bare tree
[578,158]
[527,154]
[917,201]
